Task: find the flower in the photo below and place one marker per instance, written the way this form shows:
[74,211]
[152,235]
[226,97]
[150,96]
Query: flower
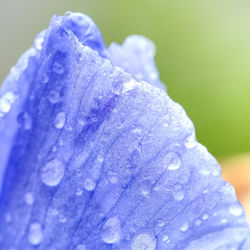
[94,157]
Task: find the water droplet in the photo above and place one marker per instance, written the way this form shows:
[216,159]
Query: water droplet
[89,184]
[165,125]
[52,172]
[80,247]
[175,161]
[161,223]
[62,218]
[54,212]
[184,227]
[205,216]
[54,149]
[205,191]
[6,102]
[178,196]
[68,127]
[111,230]
[24,120]
[129,85]
[58,68]
[112,176]
[198,222]
[53,96]
[145,192]
[236,210]
[224,221]
[164,237]
[45,78]
[60,142]
[39,42]
[35,234]
[190,142]
[29,198]
[60,120]
[144,241]
[78,192]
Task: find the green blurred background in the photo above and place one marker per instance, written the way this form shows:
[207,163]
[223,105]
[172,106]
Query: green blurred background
[203,53]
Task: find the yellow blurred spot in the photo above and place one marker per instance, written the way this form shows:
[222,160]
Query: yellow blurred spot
[236,171]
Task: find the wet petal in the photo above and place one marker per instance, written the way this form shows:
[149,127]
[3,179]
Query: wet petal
[102,161]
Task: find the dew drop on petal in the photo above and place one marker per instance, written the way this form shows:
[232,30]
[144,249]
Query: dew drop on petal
[29,198]
[35,234]
[53,96]
[45,78]
[190,142]
[198,222]
[164,238]
[62,218]
[111,231]
[52,172]
[184,227]
[144,241]
[60,120]
[178,196]
[24,120]
[236,210]
[89,184]
[205,216]
[58,68]
[6,102]
[161,223]
[129,85]
[175,162]
[78,192]
[38,43]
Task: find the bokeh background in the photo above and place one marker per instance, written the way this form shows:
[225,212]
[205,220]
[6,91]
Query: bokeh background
[203,55]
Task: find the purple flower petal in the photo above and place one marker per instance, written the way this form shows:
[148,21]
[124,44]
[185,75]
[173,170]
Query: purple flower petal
[97,160]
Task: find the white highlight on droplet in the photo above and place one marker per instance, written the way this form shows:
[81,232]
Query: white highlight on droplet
[111,231]
[35,234]
[144,241]
[52,172]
